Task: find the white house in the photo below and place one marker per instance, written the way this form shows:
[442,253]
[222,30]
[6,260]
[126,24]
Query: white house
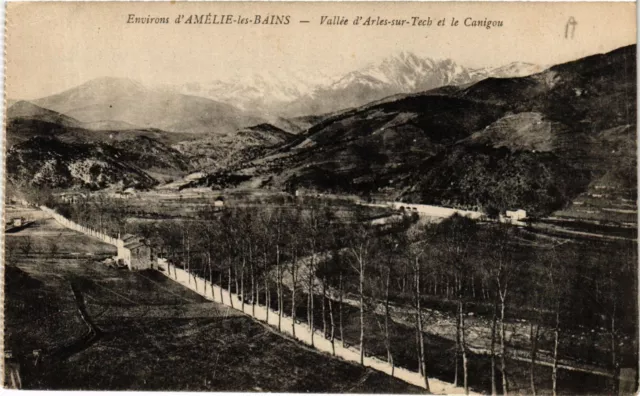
[516,215]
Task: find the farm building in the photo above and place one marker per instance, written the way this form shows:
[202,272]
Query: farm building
[219,202]
[16,224]
[18,221]
[134,252]
[516,215]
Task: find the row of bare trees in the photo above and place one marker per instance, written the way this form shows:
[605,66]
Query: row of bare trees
[319,255]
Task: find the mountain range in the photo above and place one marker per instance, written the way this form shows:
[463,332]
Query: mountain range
[287,93]
[277,97]
[469,138]
[531,142]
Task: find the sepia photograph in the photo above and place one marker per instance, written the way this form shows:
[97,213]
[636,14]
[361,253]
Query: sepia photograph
[321,197]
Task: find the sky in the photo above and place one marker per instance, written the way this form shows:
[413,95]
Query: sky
[56,46]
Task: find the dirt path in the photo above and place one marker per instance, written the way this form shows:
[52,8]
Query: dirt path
[91,337]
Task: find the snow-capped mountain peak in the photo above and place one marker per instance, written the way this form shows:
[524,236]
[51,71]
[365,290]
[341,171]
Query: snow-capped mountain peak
[288,92]
[407,72]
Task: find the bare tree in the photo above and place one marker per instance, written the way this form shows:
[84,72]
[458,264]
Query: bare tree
[392,245]
[502,267]
[494,321]
[419,241]
[536,298]
[553,278]
[622,290]
[170,236]
[360,247]
[279,240]
[186,250]
[534,330]
[294,251]
[455,238]
[231,239]
[210,234]
[341,305]
[315,223]
[419,318]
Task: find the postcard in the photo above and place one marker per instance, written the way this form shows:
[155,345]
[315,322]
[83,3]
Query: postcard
[330,197]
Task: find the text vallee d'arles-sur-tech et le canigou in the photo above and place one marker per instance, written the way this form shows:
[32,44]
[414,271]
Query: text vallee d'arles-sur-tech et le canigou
[325,20]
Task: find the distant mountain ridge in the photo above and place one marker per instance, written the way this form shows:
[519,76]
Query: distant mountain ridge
[289,94]
[221,106]
[254,91]
[127,104]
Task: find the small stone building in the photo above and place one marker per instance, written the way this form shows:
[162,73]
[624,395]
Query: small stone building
[134,252]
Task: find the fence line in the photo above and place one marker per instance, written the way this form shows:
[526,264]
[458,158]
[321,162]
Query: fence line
[77,227]
[302,330]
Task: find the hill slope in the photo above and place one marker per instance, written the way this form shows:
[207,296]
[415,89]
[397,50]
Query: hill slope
[25,120]
[27,110]
[42,152]
[42,161]
[226,150]
[159,154]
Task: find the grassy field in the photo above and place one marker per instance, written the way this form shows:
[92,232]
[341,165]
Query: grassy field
[94,327]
